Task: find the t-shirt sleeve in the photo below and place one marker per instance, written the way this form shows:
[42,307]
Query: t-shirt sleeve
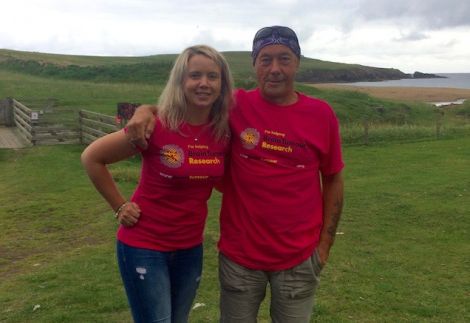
[140,149]
[332,161]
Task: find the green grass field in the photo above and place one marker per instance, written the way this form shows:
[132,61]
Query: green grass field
[402,252]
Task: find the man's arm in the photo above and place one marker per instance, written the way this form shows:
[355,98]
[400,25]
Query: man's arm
[141,125]
[333,186]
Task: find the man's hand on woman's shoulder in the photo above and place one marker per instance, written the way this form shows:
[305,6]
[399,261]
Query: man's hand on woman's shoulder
[141,125]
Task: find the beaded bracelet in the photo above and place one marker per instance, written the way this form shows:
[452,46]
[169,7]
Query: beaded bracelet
[116,214]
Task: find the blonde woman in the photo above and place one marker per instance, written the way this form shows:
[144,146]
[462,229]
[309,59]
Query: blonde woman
[159,241]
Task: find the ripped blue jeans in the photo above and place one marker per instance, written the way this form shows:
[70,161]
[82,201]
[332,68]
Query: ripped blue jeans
[160,286]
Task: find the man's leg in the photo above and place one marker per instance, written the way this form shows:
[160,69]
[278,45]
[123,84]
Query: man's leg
[293,290]
[241,292]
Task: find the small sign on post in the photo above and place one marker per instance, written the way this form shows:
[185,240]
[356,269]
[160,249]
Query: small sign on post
[34,116]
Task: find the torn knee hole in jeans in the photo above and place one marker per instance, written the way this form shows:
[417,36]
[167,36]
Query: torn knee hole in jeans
[141,271]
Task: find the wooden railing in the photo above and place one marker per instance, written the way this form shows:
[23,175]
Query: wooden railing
[38,131]
[94,125]
[24,120]
[54,134]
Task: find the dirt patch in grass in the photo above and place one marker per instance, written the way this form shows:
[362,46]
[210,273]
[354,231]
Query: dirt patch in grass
[421,94]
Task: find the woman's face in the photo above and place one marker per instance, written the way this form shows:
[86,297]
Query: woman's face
[202,83]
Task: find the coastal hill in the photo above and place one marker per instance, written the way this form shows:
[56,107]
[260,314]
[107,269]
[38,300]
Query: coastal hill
[155,68]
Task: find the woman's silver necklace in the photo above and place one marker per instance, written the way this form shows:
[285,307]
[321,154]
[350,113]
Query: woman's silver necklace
[195,136]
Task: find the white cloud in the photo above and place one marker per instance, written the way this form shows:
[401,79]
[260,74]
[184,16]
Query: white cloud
[429,36]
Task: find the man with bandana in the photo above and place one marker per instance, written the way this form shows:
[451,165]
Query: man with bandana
[283,191]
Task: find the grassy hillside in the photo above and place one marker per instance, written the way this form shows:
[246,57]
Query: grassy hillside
[155,69]
[80,60]
[61,96]
[36,92]
[71,83]
[62,99]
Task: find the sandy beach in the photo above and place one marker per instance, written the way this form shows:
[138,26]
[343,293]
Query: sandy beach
[422,94]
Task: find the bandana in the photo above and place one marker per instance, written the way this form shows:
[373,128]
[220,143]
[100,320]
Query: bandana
[275,35]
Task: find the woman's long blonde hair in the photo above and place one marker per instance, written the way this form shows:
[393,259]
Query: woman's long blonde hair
[172,105]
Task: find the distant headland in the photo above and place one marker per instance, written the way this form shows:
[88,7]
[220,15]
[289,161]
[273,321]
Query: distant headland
[419,75]
[357,73]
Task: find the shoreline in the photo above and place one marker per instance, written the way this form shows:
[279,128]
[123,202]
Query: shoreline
[420,94]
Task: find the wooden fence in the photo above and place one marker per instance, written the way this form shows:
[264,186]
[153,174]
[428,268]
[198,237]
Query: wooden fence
[37,133]
[94,125]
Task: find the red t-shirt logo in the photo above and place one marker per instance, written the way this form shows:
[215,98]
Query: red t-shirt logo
[250,138]
[172,156]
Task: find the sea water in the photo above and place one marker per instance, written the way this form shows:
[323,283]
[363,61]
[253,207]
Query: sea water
[451,80]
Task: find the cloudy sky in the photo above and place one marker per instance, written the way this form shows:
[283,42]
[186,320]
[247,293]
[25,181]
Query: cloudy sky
[412,35]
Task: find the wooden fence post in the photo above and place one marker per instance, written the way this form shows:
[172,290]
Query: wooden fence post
[6,112]
[95,125]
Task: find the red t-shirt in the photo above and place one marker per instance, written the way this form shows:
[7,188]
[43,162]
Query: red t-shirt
[179,170]
[272,208]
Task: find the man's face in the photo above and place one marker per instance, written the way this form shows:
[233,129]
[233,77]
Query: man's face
[276,66]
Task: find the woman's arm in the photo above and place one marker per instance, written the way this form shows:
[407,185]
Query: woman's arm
[109,149]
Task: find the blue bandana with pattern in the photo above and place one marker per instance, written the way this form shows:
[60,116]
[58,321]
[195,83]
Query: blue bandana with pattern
[275,35]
